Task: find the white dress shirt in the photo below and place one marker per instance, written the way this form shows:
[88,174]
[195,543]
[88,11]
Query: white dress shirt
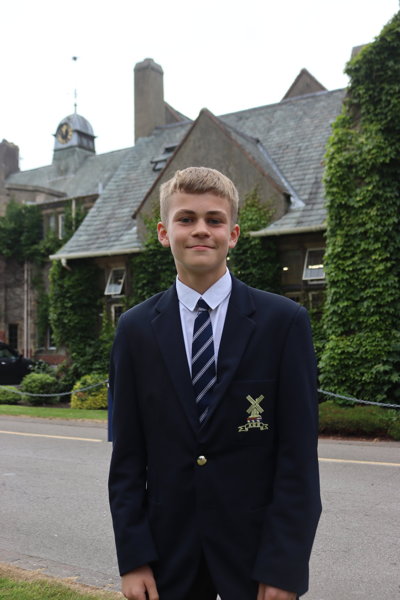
[217,297]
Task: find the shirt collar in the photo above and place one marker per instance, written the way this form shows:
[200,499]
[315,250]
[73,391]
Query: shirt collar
[213,296]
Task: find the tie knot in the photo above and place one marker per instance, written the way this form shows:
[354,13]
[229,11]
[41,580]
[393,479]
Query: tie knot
[202,305]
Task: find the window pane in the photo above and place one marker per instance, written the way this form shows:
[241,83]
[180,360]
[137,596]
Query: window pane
[314,264]
[115,282]
[292,265]
[13,335]
[61,226]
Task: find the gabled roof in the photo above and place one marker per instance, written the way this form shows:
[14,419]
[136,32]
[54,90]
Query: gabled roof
[108,228]
[305,83]
[251,149]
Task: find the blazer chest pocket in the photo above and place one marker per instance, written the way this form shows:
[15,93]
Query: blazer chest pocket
[253,404]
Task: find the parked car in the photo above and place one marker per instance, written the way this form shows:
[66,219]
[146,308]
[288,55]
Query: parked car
[13,366]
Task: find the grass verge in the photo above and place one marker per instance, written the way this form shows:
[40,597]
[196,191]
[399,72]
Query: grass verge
[52,412]
[19,584]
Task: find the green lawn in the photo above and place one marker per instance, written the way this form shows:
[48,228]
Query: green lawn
[20,584]
[52,412]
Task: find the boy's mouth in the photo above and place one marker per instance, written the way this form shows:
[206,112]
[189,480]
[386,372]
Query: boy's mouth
[200,246]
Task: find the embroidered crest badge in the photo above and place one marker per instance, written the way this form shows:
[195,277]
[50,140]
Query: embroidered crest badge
[254,411]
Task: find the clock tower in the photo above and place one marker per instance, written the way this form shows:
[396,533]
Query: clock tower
[73,143]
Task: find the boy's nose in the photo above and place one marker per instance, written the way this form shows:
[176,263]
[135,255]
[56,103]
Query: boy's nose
[201,228]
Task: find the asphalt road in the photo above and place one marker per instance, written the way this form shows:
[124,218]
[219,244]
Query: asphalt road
[54,509]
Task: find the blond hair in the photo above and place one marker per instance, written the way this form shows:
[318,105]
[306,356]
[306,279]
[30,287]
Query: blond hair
[199,180]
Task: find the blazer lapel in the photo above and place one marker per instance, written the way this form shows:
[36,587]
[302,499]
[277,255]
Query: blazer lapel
[238,328]
[168,331]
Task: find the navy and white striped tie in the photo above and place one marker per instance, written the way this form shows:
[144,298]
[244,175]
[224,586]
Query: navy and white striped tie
[203,360]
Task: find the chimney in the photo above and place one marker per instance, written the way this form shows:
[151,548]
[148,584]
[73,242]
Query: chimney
[149,97]
[9,159]
[356,50]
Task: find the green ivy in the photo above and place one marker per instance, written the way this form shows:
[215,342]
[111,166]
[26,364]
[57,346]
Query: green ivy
[153,269]
[72,221]
[362,260]
[75,304]
[255,260]
[21,232]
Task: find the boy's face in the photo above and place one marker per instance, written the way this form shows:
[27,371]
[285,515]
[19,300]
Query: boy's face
[199,232]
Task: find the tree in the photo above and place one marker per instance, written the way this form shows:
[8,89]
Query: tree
[362,261]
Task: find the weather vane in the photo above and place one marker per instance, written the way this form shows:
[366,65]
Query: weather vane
[75,58]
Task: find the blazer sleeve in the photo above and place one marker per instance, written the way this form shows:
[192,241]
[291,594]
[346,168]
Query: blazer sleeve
[292,517]
[127,477]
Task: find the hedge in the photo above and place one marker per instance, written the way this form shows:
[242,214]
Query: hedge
[369,421]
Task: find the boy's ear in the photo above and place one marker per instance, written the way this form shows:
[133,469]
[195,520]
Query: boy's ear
[234,236]
[162,235]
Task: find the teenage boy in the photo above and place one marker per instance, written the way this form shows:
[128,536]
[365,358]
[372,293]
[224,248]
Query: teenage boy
[214,483]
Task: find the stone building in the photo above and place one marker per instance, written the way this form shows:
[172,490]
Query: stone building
[278,147]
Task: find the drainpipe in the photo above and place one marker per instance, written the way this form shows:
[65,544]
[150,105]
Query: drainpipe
[27,348]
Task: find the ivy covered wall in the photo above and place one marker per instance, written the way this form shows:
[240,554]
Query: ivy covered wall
[255,260]
[362,261]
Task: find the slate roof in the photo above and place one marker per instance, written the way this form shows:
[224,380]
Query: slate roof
[108,228]
[96,171]
[257,150]
[295,133]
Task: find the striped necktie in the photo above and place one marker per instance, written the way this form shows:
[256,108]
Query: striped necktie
[203,360]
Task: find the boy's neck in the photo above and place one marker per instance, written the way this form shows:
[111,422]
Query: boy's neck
[201,282]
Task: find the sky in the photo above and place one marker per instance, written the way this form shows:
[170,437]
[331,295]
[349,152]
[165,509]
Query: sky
[226,55]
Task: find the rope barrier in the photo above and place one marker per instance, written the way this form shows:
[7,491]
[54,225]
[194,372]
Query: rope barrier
[381,404]
[88,387]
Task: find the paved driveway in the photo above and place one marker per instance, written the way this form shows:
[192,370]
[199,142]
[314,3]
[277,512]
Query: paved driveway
[54,511]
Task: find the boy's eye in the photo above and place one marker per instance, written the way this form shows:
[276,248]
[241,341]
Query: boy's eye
[185,219]
[214,221]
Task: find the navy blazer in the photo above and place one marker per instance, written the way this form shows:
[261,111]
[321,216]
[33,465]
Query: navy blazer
[253,507]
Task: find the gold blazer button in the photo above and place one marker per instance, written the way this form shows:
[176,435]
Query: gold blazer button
[201,461]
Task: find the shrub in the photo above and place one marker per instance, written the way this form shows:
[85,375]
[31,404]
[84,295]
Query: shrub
[67,374]
[7,396]
[40,383]
[93,398]
[43,367]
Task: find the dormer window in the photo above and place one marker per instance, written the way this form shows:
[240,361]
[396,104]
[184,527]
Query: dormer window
[115,282]
[160,161]
[314,265]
